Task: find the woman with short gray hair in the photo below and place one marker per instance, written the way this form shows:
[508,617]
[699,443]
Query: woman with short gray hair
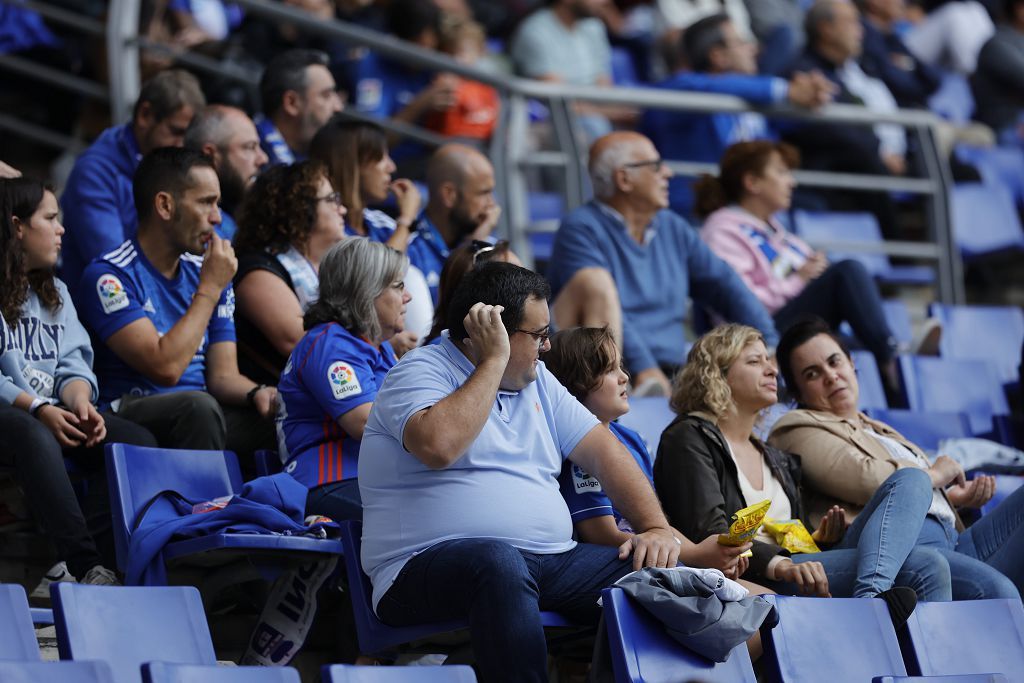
[334,372]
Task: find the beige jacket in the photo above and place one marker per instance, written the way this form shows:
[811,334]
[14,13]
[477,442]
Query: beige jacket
[842,463]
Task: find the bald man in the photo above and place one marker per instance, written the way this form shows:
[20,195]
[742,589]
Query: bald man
[624,260]
[228,136]
[461,207]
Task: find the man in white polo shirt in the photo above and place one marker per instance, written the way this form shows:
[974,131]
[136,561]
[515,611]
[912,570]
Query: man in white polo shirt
[461,508]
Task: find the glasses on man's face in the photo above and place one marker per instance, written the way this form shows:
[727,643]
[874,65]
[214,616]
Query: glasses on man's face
[333,198]
[655,164]
[540,337]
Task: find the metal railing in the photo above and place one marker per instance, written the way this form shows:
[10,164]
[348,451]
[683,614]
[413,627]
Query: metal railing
[512,155]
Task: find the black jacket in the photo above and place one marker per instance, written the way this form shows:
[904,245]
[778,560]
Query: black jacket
[698,485]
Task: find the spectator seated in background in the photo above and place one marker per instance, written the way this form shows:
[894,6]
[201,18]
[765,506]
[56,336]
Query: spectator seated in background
[789,278]
[949,34]
[887,58]
[625,261]
[163,306]
[228,136]
[847,456]
[462,517]
[98,208]
[334,373]
[460,207]
[48,389]
[722,62]
[299,96]
[998,83]
[710,465]
[288,222]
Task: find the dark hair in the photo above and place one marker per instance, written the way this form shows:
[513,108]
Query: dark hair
[795,337]
[700,37]
[408,19]
[580,356]
[460,261]
[496,284]
[344,146]
[738,160]
[169,91]
[820,11]
[165,169]
[1009,10]
[287,71]
[20,197]
[280,209]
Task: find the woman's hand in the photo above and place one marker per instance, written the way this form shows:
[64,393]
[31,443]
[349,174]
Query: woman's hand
[813,267]
[408,197]
[944,471]
[808,576]
[63,424]
[974,493]
[713,555]
[832,527]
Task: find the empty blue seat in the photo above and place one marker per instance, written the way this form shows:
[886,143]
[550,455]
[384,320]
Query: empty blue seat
[985,220]
[163,672]
[137,474]
[947,385]
[836,226]
[869,379]
[988,333]
[839,640]
[55,672]
[925,429]
[998,166]
[953,100]
[966,637]
[17,636]
[641,651]
[343,673]
[127,626]
[964,678]
[649,416]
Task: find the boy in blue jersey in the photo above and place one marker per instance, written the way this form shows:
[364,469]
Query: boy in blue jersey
[165,316]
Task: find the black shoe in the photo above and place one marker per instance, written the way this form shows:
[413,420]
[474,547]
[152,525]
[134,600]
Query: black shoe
[901,602]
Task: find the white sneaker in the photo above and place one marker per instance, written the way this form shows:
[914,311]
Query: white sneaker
[57,573]
[100,576]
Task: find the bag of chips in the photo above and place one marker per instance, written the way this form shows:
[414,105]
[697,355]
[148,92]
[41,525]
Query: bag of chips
[745,524]
[792,535]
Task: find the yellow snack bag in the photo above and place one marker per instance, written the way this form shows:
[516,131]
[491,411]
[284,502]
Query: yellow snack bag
[745,524]
[792,535]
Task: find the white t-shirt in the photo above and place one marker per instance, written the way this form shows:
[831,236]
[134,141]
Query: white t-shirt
[940,507]
[771,489]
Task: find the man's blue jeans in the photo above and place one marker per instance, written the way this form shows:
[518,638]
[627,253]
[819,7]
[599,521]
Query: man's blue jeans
[502,590]
[986,560]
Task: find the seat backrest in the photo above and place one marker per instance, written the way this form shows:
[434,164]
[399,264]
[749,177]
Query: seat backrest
[136,474]
[164,672]
[869,379]
[963,637]
[55,672]
[954,99]
[843,226]
[127,626]
[925,429]
[984,219]
[839,640]
[992,333]
[898,316]
[642,651]
[965,678]
[344,673]
[648,416]
[949,385]
[17,635]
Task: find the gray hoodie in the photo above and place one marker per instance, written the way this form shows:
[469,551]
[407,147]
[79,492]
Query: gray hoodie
[44,350]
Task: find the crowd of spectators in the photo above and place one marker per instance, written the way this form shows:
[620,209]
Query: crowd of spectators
[405,365]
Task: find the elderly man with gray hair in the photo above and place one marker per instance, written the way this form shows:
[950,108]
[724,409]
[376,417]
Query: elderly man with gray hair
[333,374]
[624,260]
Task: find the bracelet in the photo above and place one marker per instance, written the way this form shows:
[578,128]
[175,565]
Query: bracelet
[36,404]
[250,397]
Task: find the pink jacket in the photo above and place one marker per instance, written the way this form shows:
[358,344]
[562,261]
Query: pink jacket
[774,282]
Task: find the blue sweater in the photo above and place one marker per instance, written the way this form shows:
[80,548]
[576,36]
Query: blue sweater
[654,280]
[99,210]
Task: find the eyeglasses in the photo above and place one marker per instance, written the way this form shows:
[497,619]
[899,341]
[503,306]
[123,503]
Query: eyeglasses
[333,198]
[656,164]
[541,337]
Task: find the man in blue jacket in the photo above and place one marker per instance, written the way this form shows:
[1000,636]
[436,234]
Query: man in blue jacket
[624,260]
[99,212]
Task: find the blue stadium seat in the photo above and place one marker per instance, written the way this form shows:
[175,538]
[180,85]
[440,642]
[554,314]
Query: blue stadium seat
[869,379]
[998,166]
[898,318]
[623,69]
[839,640]
[374,635]
[55,672]
[267,462]
[163,672]
[127,626]
[641,651]
[925,429]
[41,615]
[343,673]
[954,100]
[985,221]
[966,637]
[137,474]
[829,226]
[17,636]
[956,386]
[649,416]
[965,678]
[992,333]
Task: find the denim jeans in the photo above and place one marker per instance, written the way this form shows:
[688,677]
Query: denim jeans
[502,591]
[986,560]
[339,500]
[878,550]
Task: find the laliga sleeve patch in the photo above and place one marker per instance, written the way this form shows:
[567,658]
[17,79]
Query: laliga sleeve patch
[344,383]
[111,293]
[583,482]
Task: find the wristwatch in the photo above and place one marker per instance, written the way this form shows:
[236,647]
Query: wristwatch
[250,397]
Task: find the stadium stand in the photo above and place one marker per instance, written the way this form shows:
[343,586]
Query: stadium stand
[17,640]
[46,672]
